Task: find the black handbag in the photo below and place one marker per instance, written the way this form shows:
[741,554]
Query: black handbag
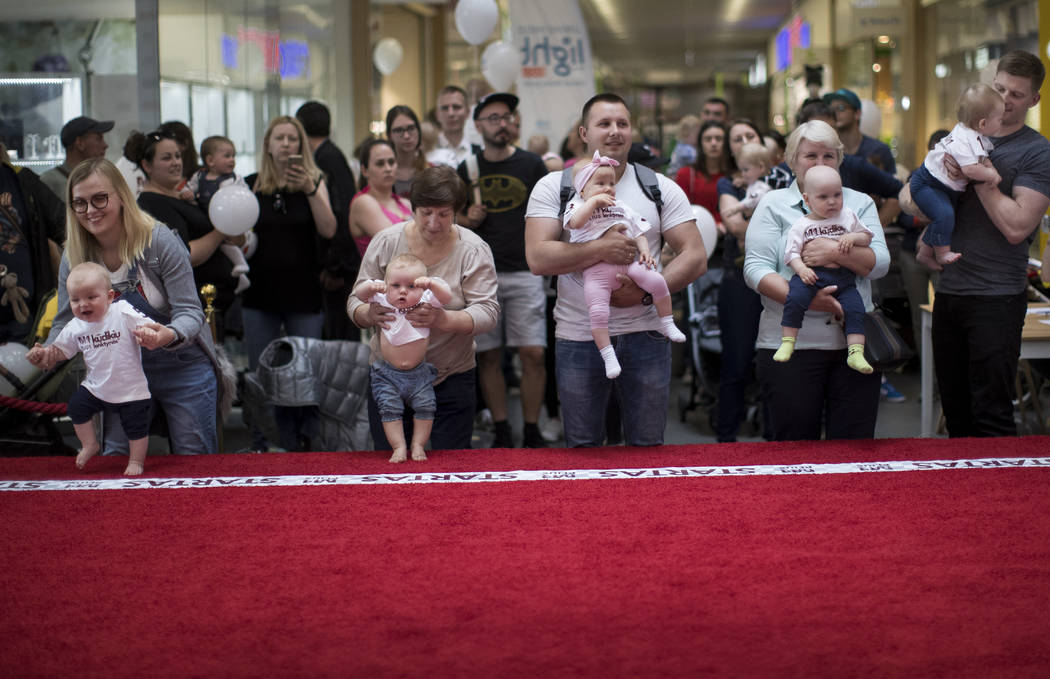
[884,348]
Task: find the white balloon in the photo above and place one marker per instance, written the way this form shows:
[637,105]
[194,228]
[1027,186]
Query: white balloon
[233,209]
[476,19]
[387,55]
[499,65]
[705,222]
[870,118]
[13,359]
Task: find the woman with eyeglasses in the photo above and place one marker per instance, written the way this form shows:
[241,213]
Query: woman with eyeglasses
[149,267]
[294,214]
[376,206]
[402,128]
[159,157]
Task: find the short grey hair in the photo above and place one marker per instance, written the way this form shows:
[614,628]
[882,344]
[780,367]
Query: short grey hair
[818,132]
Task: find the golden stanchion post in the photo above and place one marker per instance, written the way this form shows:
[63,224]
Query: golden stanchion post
[208,292]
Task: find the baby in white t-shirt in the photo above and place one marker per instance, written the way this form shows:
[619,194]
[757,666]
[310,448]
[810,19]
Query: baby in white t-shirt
[108,333]
[980,112]
[403,375]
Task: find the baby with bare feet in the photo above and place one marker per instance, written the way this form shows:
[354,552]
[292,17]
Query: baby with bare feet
[109,335]
[935,191]
[402,376]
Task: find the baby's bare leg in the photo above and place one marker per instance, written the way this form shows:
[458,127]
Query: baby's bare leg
[420,436]
[137,456]
[88,442]
[395,436]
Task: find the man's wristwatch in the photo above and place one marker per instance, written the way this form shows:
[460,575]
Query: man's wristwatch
[647,299]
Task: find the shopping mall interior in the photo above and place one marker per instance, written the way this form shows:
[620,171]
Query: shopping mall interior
[226,67]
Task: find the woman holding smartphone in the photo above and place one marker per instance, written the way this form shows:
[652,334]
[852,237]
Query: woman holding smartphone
[294,212]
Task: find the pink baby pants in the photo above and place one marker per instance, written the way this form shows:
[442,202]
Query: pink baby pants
[599,282]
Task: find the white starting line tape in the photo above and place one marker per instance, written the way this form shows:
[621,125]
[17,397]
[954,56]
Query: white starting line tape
[527,475]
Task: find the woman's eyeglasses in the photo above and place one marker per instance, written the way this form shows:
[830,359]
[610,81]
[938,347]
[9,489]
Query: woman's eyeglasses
[99,201]
[403,131]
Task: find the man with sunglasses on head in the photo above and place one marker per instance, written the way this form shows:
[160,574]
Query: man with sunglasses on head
[501,178]
[845,104]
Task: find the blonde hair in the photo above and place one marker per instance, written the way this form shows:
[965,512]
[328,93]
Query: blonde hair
[754,154]
[688,126]
[818,132]
[405,260]
[88,272]
[137,226]
[268,179]
[976,103]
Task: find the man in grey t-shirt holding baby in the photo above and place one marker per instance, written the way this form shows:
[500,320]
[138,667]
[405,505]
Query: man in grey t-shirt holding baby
[981,303]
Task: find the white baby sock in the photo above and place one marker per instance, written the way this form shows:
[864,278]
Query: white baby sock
[670,329]
[612,366]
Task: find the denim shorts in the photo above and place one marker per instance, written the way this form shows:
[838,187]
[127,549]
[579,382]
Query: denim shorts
[134,415]
[393,388]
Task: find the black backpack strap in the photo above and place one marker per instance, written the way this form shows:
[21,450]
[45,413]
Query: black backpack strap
[650,185]
[567,190]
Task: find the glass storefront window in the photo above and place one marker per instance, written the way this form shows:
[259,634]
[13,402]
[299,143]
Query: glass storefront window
[229,66]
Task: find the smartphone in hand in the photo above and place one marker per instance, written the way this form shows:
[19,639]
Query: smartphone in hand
[296,160]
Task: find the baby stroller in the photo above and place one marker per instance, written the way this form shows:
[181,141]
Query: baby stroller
[704,345]
[27,420]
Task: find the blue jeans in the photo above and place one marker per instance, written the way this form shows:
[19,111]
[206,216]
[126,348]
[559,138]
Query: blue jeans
[183,385]
[642,389]
[393,389]
[262,327]
[453,417]
[739,310]
[937,202]
[800,296]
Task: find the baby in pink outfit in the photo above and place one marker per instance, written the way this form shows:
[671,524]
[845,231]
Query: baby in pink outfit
[592,212]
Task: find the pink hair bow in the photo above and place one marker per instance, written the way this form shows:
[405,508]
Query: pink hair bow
[584,175]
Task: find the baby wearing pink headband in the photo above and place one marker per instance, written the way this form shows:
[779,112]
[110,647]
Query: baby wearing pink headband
[592,212]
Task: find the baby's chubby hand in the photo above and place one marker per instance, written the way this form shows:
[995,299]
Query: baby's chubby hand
[145,335]
[37,355]
[603,200]
[422,282]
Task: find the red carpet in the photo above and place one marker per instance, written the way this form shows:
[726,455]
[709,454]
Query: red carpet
[918,573]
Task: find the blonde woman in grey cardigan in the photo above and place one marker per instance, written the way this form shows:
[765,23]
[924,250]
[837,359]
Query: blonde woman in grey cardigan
[149,266]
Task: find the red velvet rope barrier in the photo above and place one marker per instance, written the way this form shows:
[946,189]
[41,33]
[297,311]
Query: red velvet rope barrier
[33,406]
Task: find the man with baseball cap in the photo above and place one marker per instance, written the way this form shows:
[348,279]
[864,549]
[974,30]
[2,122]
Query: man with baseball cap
[82,139]
[845,104]
[501,178]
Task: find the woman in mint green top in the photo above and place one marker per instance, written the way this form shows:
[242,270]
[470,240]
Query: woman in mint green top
[819,391]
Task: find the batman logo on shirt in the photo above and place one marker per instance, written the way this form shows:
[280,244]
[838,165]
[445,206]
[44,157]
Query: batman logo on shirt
[501,192]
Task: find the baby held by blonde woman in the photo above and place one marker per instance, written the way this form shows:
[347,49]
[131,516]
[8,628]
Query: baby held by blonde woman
[108,333]
[403,376]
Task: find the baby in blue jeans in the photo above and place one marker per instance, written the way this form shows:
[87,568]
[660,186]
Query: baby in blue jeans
[403,376]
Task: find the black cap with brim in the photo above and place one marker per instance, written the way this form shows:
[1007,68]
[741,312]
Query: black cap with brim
[506,97]
[82,125]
